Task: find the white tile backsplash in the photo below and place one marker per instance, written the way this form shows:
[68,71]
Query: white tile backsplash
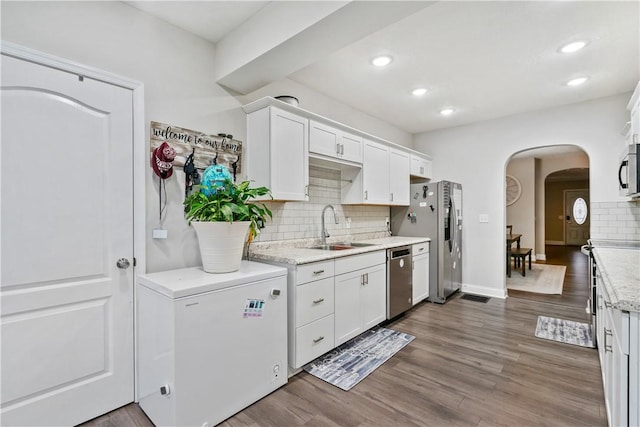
[301,220]
[615,220]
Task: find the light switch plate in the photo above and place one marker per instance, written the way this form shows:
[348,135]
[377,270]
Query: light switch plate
[483,218]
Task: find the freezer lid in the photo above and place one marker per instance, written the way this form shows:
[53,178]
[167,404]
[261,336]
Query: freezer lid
[186,282]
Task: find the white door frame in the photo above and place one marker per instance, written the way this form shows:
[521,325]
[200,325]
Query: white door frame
[139,148]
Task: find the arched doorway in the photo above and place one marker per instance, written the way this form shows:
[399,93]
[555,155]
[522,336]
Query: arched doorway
[551,180]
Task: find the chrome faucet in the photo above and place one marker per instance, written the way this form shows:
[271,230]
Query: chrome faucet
[324,229]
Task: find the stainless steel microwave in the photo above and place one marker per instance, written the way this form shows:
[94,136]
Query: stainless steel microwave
[629,172]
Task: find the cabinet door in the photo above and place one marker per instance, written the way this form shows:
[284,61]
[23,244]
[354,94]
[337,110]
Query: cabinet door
[420,278]
[374,296]
[348,314]
[420,167]
[399,179]
[336,143]
[635,123]
[323,139]
[289,156]
[375,170]
[350,147]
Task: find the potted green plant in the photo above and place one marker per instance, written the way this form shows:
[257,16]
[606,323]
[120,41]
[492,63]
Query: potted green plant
[224,217]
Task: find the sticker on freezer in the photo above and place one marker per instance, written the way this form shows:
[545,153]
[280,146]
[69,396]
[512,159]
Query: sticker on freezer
[253,308]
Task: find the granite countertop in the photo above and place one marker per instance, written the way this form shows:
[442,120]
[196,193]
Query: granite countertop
[297,252]
[619,266]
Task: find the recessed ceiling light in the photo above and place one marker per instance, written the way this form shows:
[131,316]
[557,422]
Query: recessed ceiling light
[573,46]
[577,81]
[382,60]
[447,111]
[419,91]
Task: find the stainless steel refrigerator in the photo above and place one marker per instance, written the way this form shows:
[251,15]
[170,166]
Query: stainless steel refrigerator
[435,212]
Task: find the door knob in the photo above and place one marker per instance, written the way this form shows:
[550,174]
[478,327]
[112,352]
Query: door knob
[123,263]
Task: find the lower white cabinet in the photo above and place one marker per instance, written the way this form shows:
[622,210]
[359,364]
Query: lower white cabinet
[331,301]
[618,336]
[360,294]
[420,274]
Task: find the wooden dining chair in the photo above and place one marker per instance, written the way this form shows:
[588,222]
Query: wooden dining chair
[509,229]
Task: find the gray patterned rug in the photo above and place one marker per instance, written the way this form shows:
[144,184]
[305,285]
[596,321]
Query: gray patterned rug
[350,363]
[564,331]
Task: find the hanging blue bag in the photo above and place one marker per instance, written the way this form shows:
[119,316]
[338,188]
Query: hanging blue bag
[213,178]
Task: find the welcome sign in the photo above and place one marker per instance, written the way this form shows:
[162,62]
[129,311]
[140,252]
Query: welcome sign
[205,148]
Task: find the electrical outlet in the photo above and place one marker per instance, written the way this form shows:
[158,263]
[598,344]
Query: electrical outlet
[276,372]
[347,222]
[483,218]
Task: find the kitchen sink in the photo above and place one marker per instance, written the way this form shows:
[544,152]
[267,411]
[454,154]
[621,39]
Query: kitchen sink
[341,246]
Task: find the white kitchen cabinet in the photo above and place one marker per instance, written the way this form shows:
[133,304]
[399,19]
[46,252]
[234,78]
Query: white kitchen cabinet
[277,154]
[420,276]
[421,167]
[360,294]
[311,308]
[399,179]
[618,333]
[334,143]
[383,180]
[375,173]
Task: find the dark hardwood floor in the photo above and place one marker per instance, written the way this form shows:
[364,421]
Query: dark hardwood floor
[471,364]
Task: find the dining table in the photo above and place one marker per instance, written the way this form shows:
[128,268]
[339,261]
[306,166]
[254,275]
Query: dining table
[511,238]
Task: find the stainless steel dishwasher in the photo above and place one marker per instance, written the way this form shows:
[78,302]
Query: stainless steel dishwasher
[399,280]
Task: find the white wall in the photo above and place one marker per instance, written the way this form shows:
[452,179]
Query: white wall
[521,214]
[176,68]
[480,153]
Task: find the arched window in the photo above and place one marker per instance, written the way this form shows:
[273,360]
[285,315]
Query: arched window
[580,211]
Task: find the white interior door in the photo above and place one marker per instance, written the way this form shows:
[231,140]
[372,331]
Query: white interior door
[66,218]
[576,211]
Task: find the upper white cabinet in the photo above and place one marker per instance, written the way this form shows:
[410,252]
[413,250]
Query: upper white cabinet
[282,139]
[375,173]
[421,167]
[383,180]
[399,181]
[277,153]
[329,141]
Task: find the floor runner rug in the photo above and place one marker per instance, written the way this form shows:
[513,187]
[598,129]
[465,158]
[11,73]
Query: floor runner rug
[541,279]
[564,331]
[351,362]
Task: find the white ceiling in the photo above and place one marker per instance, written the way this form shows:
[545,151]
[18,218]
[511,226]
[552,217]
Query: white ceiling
[485,59]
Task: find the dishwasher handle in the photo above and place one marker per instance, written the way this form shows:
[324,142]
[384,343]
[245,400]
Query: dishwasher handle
[400,253]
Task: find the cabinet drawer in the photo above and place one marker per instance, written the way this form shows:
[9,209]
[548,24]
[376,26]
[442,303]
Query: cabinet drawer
[313,340]
[420,248]
[358,262]
[314,300]
[314,271]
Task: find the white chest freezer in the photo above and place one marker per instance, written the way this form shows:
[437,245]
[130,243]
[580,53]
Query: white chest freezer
[210,345]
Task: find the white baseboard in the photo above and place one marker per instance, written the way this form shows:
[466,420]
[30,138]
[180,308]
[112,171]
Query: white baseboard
[541,257]
[485,291]
[554,242]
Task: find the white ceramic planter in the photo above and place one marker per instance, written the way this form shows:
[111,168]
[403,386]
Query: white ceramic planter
[221,244]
